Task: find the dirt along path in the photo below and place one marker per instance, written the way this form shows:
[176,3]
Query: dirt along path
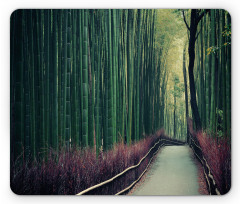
[173,173]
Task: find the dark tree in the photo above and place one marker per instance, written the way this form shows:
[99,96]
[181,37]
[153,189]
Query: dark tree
[196,16]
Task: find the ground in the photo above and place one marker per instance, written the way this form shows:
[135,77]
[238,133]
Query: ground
[174,171]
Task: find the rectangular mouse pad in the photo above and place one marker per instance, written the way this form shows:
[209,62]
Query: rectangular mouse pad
[120,102]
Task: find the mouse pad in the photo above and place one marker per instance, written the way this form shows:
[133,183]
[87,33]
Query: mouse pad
[120,102]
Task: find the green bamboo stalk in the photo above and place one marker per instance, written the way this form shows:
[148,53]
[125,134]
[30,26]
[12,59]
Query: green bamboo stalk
[110,84]
[55,84]
[228,83]
[37,86]
[46,54]
[68,77]
[223,65]
[185,89]
[32,87]
[203,102]
[97,88]
[26,89]
[12,62]
[64,76]
[118,112]
[85,81]
[42,90]
[213,100]
[18,76]
[91,81]
[60,74]
[138,72]
[74,123]
[130,65]
[207,75]
[81,23]
[105,82]
[114,72]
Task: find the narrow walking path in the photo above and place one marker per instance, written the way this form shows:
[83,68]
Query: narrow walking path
[173,173]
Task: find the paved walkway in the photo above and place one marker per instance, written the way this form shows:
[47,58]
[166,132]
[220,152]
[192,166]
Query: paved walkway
[173,173]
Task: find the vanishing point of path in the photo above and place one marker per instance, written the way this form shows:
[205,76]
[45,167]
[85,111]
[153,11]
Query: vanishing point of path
[173,173]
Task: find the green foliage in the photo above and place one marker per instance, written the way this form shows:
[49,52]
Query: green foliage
[94,78]
[226,33]
[213,52]
[84,67]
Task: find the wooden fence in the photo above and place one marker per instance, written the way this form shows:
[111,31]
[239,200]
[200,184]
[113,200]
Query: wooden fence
[194,144]
[131,175]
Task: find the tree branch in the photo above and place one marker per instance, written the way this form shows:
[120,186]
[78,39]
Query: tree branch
[185,20]
[201,15]
[198,33]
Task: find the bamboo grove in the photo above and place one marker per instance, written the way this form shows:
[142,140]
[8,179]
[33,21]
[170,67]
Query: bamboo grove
[83,78]
[213,72]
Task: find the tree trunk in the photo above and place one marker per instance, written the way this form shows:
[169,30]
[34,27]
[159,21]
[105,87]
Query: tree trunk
[186,90]
[191,52]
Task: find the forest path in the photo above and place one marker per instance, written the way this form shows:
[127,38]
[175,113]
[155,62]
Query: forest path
[173,173]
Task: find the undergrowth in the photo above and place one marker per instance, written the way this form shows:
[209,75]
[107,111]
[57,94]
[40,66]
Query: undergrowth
[217,151]
[69,173]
